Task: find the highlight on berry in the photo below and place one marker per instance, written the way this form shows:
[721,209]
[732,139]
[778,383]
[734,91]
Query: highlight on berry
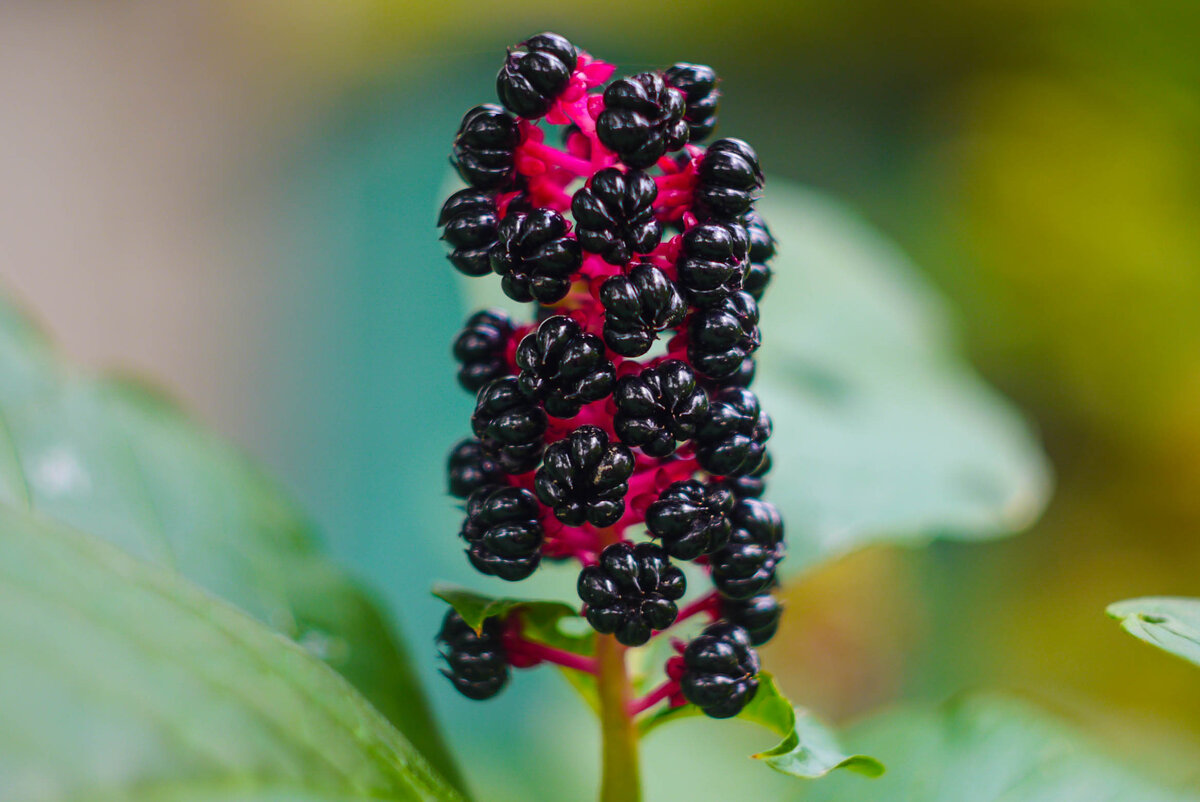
[615,428]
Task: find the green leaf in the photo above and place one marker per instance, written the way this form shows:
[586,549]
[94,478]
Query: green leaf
[808,750]
[114,459]
[986,749]
[1171,624]
[120,679]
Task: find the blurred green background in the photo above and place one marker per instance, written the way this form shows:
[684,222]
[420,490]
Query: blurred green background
[237,198]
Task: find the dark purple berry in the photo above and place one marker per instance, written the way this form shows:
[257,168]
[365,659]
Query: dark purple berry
[746,566]
[729,180]
[478,665]
[479,348]
[614,216]
[509,425]
[631,592]
[721,337]
[713,261]
[659,407]
[535,256]
[564,367]
[752,485]
[584,478]
[535,73]
[637,306]
[484,147]
[469,469]
[468,221]
[762,249]
[503,532]
[720,670]
[699,86]
[732,441]
[642,119]
[691,518]
[758,615]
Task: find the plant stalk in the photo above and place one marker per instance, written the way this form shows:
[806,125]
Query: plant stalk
[620,779]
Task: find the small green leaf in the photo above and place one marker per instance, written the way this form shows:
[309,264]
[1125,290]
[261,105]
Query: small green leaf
[1171,624]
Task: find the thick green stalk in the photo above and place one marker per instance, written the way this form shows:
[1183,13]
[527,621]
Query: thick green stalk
[620,779]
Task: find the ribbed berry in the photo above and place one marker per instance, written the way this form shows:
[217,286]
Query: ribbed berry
[535,256]
[732,440]
[479,348]
[659,407]
[699,86]
[484,147]
[746,566]
[742,377]
[720,670]
[469,469]
[642,119]
[758,615]
[535,73]
[564,367]
[762,249]
[691,518]
[468,221]
[478,666]
[752,485]
[503,532]
[713,261]
[721,337]
[614,216]
[729,180]
[631,591]
[584,478]
[510,425]
[637,306]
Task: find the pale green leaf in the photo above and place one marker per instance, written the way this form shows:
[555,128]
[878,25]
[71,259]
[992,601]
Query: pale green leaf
[1171,624]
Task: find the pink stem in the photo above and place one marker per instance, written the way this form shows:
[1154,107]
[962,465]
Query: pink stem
[548,654]
[681,180]
[704,604]
[664,691]
[556,157]
[673,197]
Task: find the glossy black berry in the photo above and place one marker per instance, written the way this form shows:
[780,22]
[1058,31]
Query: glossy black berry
[469,469]
[535,73]
[659,407]
[720,670]
[721,337]
[729,180]
[699,86]
[631,592]
[642,119]
[746,566]
[468,221]
[758,615]
[509,425]
[762,249]
[503,532]
[637,306]
[752,485]
[476,661]
[484,147]
[614,216]
[584,478]
[564,367]
[713,261]
[732,440]
[691,518]
[742,377]
[535,256]
[479,348]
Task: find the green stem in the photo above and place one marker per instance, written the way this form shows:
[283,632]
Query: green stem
[620,780]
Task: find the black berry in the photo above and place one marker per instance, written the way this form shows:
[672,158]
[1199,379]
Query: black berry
[584,478]
[484,147]
[503,533]
[478,666]
[642,119]
[721,337]
[732,441]
[752,485]
[614,216]
[509,425]
[699,86]
[469,469]
[762,249]
[713,261]
[746,566]
[535,256]
[468,221]
[631,592]
[564,366]
[535,73]
[758,615]
[720,670]
[729,180]
[637,306]
[691,518]
[479,348]
[659,407]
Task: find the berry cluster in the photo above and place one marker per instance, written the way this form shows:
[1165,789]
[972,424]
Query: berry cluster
[627,236]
